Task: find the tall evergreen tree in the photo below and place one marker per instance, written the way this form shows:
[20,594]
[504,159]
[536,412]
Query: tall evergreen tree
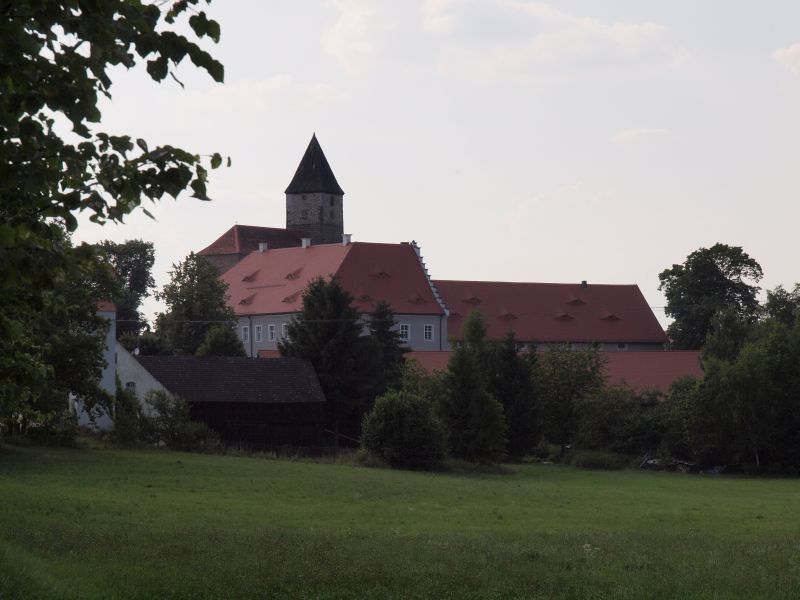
[476,427]
[196,302]
[387,348]
[511,382]
[327,332]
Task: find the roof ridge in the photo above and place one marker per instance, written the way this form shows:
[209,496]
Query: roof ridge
[577,283]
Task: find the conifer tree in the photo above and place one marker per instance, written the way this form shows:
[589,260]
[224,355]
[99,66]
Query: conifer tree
[511,382]
[387,348]
[327,332]
[476,427]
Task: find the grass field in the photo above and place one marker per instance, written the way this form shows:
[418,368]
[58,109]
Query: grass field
[148,524]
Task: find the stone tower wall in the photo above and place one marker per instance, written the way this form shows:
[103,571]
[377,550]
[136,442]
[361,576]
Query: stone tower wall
[317,216]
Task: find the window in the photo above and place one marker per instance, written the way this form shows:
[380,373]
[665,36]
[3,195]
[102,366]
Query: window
[285,330]
[622,346]
[271,332]
[245,333]
[130,386]
[331,200]
[427,333]
[405,332]
[258,333]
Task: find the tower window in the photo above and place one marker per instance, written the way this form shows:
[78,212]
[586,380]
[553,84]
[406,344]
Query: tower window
[332,201]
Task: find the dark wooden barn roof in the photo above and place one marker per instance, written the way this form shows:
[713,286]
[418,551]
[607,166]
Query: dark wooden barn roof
[228,379]
[314,174]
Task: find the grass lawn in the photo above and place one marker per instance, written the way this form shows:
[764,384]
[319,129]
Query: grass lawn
[150,524]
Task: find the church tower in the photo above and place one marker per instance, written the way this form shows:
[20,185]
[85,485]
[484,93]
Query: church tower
[314,200]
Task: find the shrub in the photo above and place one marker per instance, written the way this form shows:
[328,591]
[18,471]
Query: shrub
[618,419]
[403,430]
[167,420]
[596,459]
[126,418]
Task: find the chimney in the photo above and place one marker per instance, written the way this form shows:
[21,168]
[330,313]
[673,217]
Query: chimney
[584,284]
[305,242]
[262,246]
[346,239]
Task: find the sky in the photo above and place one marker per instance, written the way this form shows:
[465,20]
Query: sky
[513,140]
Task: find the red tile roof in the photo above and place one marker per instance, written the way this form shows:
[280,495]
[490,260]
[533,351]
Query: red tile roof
[553,312]
[241,239]
[651,370]
[106,306]
[639,370]
[430,361]
[272,282]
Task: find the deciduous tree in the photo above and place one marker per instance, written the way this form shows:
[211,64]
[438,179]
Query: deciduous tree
[132,261]
[711,279]
[196,302]
[55,64]
[221,340]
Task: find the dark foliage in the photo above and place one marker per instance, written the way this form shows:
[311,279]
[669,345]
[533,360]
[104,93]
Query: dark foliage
[563,377]
[387,349]
[711,279]
[403,429]
[196,303]
[221,340]
[511,381]
[476,427]
[327,332]
[618,419]
[166,419]
[132,262]
[48,74]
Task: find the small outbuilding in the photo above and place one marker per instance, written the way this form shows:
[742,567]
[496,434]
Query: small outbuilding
[258,404]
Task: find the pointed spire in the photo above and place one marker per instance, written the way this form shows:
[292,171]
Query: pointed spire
[314,174]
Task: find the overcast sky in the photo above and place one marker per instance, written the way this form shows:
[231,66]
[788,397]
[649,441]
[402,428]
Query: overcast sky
[513,140]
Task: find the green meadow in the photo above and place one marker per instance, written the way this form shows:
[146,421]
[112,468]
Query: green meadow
[95,523]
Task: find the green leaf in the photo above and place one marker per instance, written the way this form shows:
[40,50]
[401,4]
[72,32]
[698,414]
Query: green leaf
[216,160]
[142,144]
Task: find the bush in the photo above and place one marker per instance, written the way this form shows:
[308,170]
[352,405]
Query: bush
[403,430]
[595,459]
[126,418]
[618,419]
[167,420]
